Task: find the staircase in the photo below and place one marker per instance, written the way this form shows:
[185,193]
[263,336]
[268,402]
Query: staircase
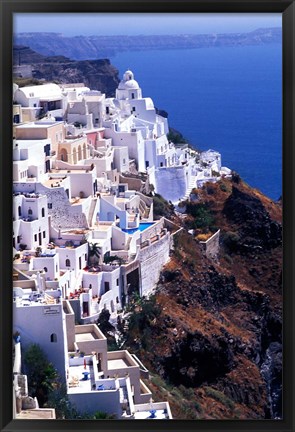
[91,211]
[192,185]
[142,208]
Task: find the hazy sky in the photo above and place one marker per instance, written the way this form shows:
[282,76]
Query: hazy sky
[75,24]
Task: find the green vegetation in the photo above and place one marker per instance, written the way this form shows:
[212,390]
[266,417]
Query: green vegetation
[203,218]
[100,415]
[64,409]
[94,252]
[109,259]
[103,321]
[176,137]
[42,376]
[161,206]
[144,313]
[59,400]
[223,187]
[230,240]
[184,397]
[220,397]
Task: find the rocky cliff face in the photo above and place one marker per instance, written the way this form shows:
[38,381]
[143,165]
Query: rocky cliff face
[92,47]
[215,338]
[95,74]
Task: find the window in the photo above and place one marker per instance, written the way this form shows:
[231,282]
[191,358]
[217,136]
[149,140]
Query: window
[117,282]
[19,210]
[43,212]
[133,109]
[106,287]
[45,269]
[132,95]
[35,237]
[16,118]
[53,338]
[107,110]
[80,263]
[44,234]
[68,263]
[49,205]
[30,211]
[117,299]
[124,161]
[18,239]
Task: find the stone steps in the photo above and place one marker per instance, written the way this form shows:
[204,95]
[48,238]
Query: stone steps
[192,185]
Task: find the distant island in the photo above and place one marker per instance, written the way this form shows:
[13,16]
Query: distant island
[94,47]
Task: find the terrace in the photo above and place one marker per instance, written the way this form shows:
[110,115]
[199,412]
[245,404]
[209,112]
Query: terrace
[152,410]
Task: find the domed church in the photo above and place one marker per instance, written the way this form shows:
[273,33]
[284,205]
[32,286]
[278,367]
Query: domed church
[128,87]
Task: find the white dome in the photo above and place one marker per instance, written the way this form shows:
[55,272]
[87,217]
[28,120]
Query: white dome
[128,85]
[128,82]
[128,75]
[149,103]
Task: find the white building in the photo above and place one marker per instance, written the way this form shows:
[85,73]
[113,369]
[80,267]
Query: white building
[40,100]
[97,380]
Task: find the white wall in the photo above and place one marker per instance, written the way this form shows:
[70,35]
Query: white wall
[135,143]
[171,183]
[121,159]
[50,263]
[75,255]
[152,258]
[105,401]
[30,319]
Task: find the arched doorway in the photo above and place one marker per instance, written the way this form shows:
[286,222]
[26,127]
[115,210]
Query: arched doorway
[79,153]
[64,155]
[75,156]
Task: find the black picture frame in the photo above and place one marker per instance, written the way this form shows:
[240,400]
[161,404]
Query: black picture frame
[10,7]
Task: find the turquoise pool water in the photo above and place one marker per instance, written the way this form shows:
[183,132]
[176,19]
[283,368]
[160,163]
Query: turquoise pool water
[142,226]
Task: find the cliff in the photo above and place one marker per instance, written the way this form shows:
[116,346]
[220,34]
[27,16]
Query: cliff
[95,74]
[212,333]
[92,47]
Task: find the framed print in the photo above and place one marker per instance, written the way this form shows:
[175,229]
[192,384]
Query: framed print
[147,196]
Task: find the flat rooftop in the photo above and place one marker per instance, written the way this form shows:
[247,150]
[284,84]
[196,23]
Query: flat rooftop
[70,171]
[120,363]
[54,182]
[77,383]
[76,376]
[151,414]
[82,337]
[100,227]
[41,124]
[37,414]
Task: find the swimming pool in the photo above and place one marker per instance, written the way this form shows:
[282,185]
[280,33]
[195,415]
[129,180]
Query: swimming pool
[142,226]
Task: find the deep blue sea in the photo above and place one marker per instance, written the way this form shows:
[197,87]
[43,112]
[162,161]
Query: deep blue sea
[226,98]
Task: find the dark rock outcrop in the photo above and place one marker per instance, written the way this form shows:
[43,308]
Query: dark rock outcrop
[257,231]
[96,74]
